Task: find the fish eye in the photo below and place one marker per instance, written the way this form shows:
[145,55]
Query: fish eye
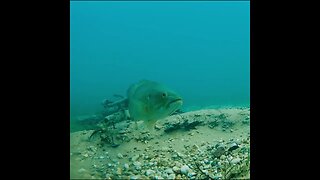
[164,94]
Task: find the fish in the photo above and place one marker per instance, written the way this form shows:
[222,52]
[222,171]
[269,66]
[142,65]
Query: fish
[150,101]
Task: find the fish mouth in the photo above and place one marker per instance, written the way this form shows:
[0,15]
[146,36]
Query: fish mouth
[175,100]
[174,105]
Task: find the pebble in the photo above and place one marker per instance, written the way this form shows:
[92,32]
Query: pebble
[126,166]
[158,177]
[191,174]
[137,165]
[235,160]
[176,169]
[85,155]
[233,146]
[108,176]
[219,151]
[180,155]
[119,171]
[81,170]
[135,158]
[149,172]
[184,169]
[165,149]
[190,133]
[169,171]
[157,127]
[172,176]
[206,161]
[205,172]
[146,157]
[222,157]
[134,177]
[218,176]
[120,156]
[207,166]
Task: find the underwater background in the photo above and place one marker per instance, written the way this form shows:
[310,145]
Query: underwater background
[199,49]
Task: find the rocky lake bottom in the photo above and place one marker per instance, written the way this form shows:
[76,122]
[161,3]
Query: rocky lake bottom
[203,144]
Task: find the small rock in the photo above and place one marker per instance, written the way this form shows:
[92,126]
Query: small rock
[191,174]
[169,171]
[218,176]
[86,155]
[157,127]
[158,177]
[134,177]
[184,169]
[108,176]
[206,161]
[233,146]
[172,176]
[119,171]
[207,166]
[135,158]
[194,148]
[206,172]
[120,156]
[137,165]
[222,157]
[165,149]
[149,172]
[218,164]
[146,157]
[126,166]
[180,155]
[81,170]
[235,160]
[219,150]
[176,169]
